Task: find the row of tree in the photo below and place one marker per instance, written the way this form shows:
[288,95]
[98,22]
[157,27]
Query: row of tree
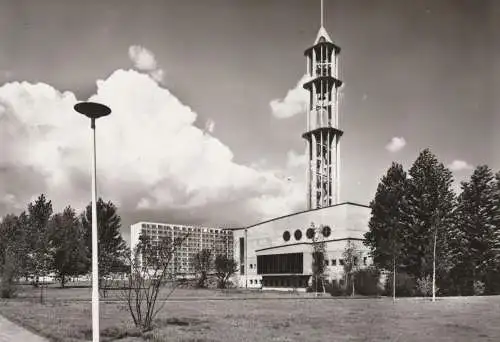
[39,242]
[420,227]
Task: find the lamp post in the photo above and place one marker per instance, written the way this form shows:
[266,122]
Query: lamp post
[94,111]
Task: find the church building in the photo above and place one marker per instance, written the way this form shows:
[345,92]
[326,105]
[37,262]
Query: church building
[278,253]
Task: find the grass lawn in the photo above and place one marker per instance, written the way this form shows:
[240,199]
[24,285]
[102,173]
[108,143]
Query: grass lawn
[271,319]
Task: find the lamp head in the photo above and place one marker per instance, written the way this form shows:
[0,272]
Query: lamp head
[92,110]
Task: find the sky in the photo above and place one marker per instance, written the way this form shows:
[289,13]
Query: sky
[208,106]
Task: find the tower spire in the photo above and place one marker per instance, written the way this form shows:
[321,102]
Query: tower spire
[322,132]
[322,13]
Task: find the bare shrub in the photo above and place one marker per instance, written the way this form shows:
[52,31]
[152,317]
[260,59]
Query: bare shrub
[152,266]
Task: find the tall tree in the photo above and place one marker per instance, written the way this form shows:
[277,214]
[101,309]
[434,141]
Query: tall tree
[112,249]
[68,247]
[495,236]
[202,262]
[39,213]
[475,215]
[428,217]
[384,237]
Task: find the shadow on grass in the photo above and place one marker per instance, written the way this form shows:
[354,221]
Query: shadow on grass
[180,322]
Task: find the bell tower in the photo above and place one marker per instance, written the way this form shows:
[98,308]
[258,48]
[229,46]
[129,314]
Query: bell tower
[322,133]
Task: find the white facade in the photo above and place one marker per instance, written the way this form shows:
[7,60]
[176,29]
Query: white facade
[347,222]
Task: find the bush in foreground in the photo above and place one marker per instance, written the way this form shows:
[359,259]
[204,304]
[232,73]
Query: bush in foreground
[366,282]
[406,286]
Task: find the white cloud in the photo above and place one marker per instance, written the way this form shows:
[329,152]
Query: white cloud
[144,60]
[210,126]
[149,152]
[294,102]
[459,165]
[295,160]
[396,144]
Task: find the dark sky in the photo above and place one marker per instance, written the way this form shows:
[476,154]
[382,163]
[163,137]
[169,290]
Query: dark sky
[425,71]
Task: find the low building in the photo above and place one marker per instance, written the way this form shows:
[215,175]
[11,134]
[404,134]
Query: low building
[277,254]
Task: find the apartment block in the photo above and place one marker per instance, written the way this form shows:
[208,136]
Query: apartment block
[219,240]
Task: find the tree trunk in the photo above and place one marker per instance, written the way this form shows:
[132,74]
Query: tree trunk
[63,280]
[41,292]
[352,281]
[394,278]
[434,268]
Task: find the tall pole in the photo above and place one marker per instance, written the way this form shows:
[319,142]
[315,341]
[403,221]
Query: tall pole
[246,259]
[93,111]
[95,268]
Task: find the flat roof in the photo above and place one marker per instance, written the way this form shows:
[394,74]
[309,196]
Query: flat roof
[306,243]
[302,212]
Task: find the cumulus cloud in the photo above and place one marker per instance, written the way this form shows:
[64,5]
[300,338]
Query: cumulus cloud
[396,144]
[295,160]
[150,155]
[145,60]
[459,165]
[293,103]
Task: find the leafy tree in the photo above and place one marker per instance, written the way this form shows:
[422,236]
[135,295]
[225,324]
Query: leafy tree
[225,267]
[39,213]
[202,262]
[112,249]
[494,240]
[12,251]
[351,257]
[428,217]
[68,248]
[385,229]
[475,229]
[25,261]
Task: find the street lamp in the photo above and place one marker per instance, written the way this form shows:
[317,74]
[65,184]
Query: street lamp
[94,111]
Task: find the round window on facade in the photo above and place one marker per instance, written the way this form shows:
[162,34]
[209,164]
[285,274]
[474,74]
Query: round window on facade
[298,234]
[327,231]
[310,233]
[286,235]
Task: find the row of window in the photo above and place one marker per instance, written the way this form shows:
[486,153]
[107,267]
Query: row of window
[285,281]
[342,262]
[310,233]
[189,229]
[332,262]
